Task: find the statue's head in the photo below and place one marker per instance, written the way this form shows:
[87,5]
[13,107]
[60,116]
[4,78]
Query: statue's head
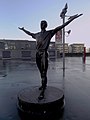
[43,24]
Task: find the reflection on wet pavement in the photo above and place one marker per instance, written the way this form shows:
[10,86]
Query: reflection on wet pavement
[16,75]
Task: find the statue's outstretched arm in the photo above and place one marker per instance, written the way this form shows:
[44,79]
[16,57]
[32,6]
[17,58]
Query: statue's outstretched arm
[27,32]
[66,23]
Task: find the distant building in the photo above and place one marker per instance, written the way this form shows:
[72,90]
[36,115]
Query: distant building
[76,48]
[2,45]
[25,49]
[17,49]
[59,47]
[88,50]
[21,49]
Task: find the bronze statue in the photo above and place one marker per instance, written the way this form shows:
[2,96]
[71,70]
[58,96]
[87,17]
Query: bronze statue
[42,43]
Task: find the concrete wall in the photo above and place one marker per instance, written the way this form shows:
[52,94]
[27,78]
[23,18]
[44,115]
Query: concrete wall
[0,54]
[16,54]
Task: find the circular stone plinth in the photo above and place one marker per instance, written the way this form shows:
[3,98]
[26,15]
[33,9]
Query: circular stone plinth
[30,106]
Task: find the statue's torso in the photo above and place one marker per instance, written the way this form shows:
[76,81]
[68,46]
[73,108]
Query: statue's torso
[43,40]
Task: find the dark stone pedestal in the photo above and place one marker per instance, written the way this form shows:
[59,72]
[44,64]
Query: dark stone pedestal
[30,107]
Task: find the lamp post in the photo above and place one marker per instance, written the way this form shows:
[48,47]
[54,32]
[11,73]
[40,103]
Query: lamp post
[62,15]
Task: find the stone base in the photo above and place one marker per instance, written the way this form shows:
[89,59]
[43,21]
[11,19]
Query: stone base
[30,107]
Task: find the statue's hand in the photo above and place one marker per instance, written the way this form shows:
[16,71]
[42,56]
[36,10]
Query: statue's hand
[79,15]
[74,16]
[21,28]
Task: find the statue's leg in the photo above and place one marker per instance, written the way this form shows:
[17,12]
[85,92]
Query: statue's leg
[38,61]
[44,68]
[42,64]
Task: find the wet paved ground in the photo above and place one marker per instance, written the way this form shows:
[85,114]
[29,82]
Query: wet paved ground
[17,75]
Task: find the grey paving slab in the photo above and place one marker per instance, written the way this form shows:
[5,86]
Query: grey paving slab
[16,75]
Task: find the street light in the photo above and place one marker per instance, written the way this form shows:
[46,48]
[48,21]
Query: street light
[68,32]
[64,11]
[62,15]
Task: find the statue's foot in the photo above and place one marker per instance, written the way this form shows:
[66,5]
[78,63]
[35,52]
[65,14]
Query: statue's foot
[41,88]
[41,95]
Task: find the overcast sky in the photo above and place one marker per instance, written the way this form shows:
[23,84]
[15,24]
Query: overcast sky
[29,13]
